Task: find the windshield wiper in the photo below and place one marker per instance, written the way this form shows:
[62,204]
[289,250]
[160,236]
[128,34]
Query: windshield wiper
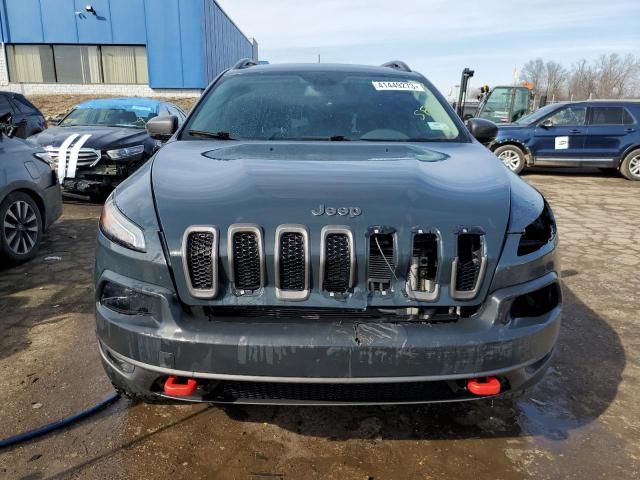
[339,138]
[216,135]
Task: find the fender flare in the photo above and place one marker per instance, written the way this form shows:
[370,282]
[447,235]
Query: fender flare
[516,142]
[625,153]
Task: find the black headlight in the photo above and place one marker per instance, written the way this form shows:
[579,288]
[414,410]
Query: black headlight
[538,233]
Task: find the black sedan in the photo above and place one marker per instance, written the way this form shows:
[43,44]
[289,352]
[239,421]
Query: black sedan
[101,142]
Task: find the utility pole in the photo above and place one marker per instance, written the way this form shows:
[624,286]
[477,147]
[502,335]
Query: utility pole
[318,58]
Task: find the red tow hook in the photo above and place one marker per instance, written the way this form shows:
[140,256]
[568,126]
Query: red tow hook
[484,386]
[177,388]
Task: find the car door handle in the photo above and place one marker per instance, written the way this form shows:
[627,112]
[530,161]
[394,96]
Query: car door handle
[574,130]
[630,130]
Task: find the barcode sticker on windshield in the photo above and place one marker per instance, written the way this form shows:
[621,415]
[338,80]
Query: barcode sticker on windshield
[438,126]
[398,86]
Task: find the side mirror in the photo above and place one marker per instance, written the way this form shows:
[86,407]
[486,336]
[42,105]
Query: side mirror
[483,130]
[546,123]
[162,128]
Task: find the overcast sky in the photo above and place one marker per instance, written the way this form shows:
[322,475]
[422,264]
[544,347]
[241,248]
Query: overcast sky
[439,37]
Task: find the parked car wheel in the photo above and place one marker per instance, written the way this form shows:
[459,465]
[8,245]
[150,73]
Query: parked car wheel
[631,166]
[511,156]
[21,230]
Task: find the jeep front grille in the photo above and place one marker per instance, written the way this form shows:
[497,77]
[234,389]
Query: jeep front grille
[468,267]
[421,269]
[246,258]
[200,246]
[292,262]
[337,261]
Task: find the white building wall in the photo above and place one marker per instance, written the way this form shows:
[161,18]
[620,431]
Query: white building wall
[94,89]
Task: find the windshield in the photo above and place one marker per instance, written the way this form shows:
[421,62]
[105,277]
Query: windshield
[497,106]
[323,106]
[121,116]
[537,115]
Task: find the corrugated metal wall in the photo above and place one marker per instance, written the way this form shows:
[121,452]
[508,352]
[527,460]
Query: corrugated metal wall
[188,41]
[224,43]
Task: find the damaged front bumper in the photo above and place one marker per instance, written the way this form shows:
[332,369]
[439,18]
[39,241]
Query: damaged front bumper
[331,362]
[102,178]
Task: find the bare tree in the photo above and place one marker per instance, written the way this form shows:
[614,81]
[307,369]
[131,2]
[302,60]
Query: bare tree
[615,75]
[534,72]
[582,82]
[609,76]
[555,78]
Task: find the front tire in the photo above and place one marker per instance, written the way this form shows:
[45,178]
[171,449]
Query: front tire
[20,228]
[512,157]
[630,167]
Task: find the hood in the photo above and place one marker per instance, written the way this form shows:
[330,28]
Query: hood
[102,138]
[441,187]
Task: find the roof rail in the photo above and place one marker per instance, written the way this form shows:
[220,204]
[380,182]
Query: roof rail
[397,64]
[244,63]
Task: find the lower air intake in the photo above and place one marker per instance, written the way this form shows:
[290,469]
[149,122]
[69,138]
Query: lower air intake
[402,392]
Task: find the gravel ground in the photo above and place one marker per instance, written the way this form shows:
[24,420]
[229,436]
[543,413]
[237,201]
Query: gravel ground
[582,421]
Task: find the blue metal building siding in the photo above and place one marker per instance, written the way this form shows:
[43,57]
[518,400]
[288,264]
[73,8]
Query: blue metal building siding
[224,43]
[188,41]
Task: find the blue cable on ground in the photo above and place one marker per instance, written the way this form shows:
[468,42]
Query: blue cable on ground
[38,432]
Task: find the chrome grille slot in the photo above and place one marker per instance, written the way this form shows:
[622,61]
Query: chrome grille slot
[382,262]
[292,262]
[246,258]
[468,267]
[337,260]
[423,269]
[200,260]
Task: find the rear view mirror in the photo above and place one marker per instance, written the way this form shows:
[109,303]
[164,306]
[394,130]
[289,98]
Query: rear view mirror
[483,130]
[546,123]
[162,128]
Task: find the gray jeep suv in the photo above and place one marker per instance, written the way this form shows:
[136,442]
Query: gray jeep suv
[325,234]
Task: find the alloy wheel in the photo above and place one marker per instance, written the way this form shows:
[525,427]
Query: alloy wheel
[634,166]
[20,227]
[510,159]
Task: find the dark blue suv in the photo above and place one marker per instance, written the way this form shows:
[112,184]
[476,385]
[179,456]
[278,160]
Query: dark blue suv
[593,133]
